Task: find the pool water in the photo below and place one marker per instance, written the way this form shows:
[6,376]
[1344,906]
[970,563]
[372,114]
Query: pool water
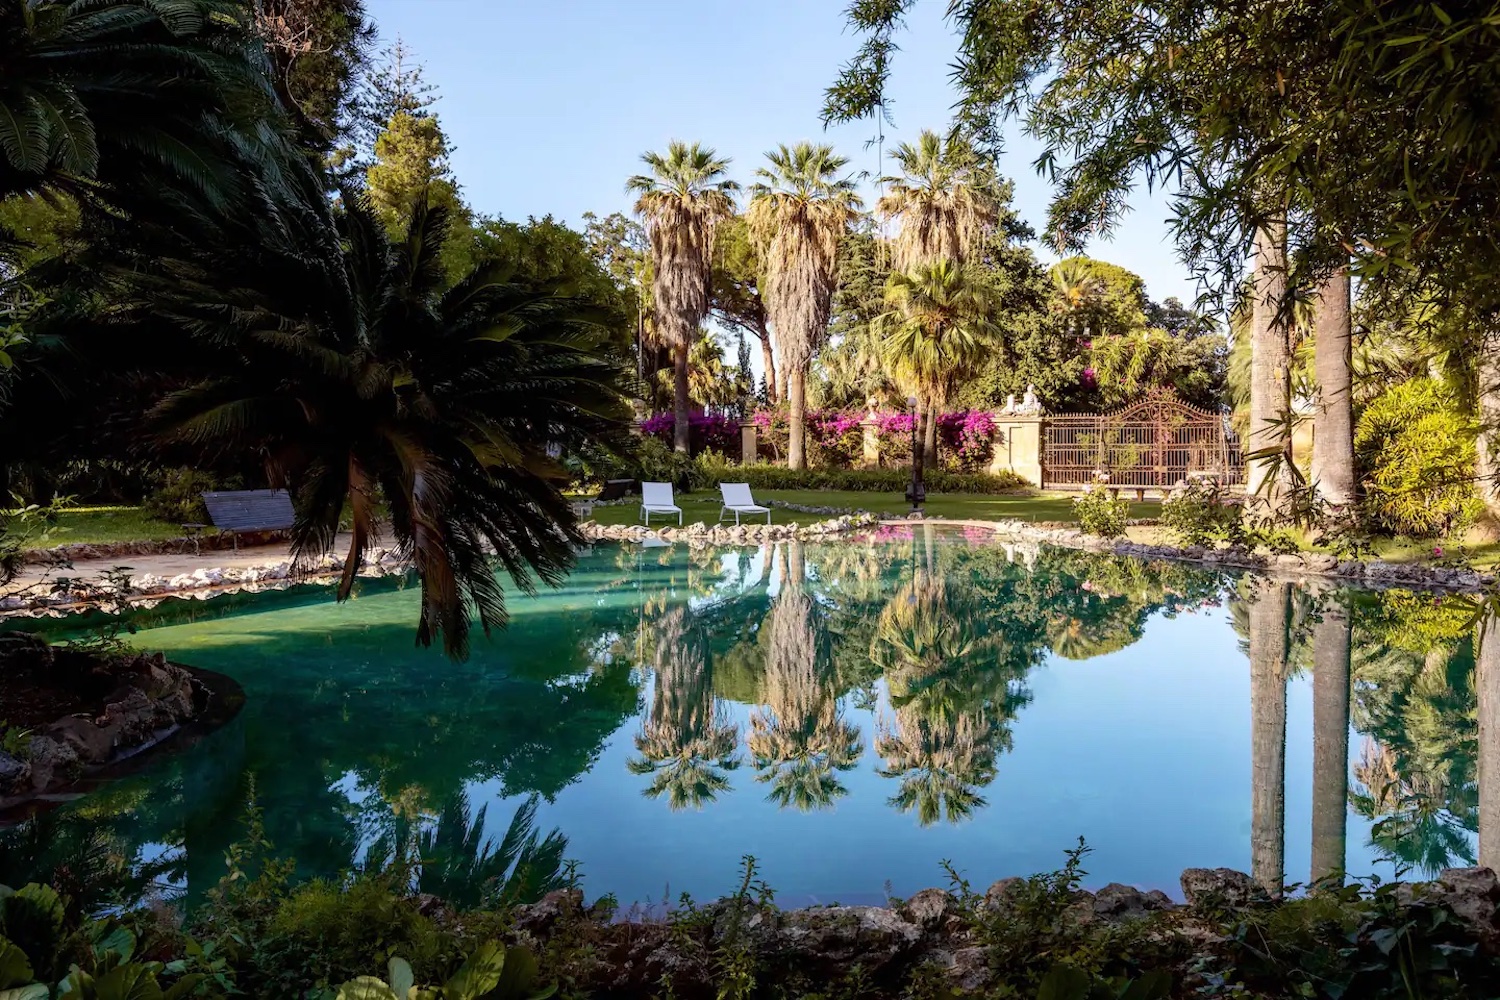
[851,714]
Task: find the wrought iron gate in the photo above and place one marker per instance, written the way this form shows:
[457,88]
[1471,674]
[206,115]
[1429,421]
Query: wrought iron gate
[1149,445]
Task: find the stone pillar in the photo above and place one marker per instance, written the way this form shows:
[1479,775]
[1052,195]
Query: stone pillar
[1018,447]
[870,441]
[749,446]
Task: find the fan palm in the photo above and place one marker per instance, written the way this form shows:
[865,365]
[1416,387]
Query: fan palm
[942,199]
[682,200]
[936,331]
[941,764]
[799,211]
[341,360]
[132,99]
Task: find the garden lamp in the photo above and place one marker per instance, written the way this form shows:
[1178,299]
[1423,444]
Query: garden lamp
[916,492]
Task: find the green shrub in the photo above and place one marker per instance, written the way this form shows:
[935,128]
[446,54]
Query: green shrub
[711,469]
[1202,513]
[657,462]
[177,498]
[1416,451]
[1099,513]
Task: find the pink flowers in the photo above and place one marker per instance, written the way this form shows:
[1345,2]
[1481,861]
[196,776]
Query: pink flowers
[1437,550]
[706,431]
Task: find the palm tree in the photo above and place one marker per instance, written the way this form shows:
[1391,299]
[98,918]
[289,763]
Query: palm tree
[1269,468]
[942,199]
[348,367]
[682,201]
[135,102]
[1333,415]
[799,211]
[935,332]
[1077,288]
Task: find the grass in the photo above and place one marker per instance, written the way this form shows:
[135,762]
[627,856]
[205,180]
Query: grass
[704,506]
[98,525]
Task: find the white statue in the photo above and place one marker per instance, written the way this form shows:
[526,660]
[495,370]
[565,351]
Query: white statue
[1009,410]
[1030,405]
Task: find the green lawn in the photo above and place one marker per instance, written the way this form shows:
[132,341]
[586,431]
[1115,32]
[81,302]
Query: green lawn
[704,506]
[95,525]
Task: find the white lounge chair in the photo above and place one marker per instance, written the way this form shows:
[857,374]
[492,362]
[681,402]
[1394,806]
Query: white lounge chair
[737,499]
[656,498]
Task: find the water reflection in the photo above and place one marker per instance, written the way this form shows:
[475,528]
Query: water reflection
[900,672]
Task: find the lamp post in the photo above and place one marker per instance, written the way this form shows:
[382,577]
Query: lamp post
[916,492]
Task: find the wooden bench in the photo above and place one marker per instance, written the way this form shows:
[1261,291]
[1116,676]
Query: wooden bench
[237,511]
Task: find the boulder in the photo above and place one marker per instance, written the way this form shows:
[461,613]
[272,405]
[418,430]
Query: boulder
[52,761]
[998,895]
[1473,894]
[930,909]
[559,906]
[1221,887]
[835,937]
[15,774]
[1117,903]
[968,969]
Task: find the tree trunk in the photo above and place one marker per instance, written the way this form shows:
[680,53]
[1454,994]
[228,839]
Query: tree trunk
[1330,743]
[1487,686]
[1487,461]
[1333,417]
[920,457]
[1268,652]
[681,438]
[1270,374]
[796,393]
[769,360]
[930,437]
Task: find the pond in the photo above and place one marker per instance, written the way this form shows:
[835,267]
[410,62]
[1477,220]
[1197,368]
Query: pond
[851,714]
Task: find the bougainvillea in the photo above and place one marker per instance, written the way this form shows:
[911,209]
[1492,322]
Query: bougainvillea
[706,431]
[836,438]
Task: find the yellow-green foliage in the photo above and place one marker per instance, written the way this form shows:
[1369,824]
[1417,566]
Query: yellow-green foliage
[1416,451]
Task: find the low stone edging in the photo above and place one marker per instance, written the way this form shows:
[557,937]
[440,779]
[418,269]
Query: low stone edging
[633,954]
[82,551]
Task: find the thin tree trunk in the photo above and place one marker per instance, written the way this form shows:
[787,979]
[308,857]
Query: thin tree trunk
[930,437]
[796,393]
[1487,459]
[920,416]
[1487,686]
[1268,653]
[1270,373]
[768,359]
[1330,743]
[1333,418]
[681,438]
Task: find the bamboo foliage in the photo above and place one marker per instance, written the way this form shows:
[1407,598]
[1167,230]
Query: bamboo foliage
[682,201]
[800,209]
[941,200]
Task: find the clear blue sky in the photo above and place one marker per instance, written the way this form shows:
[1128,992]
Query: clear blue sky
[551,103]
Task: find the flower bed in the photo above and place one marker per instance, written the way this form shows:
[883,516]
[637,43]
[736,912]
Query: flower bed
[706,431]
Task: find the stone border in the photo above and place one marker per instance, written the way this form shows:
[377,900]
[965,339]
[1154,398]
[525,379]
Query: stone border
[214,541]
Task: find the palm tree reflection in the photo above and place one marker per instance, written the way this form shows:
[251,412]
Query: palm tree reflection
[801,740]
[687,743]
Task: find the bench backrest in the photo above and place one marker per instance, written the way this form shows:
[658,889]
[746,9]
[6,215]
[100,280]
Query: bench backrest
[250,510]
[736,494]
[614,489]
[656,495]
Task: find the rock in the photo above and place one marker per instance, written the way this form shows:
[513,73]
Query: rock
[90,744]
[52,761]
[15,774]
[968,969]
[930,908]
[558,906]
[1221,887]
[1117,903]
[832,938]
[1473,894]
[998,895]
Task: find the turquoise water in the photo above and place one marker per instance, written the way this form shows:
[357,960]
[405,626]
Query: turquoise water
[851,714]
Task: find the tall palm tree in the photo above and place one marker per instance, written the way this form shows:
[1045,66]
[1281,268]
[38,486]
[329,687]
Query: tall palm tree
[1269,463]
[346,364]
[134,100]
[1333,415]
[799,211]
[943,200]
[1076,288]
[682,200]
[936,332]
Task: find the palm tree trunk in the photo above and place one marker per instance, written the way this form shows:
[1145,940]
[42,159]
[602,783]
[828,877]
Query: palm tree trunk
[930,437]
[1271,373]
[1330,743]
[1487,685]
[920,416]
[768,359]
[681,439]
[796,418]
[1333,418]
[1487,459]
[1268,653]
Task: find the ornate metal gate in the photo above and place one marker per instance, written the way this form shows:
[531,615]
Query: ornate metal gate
[1149,445]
